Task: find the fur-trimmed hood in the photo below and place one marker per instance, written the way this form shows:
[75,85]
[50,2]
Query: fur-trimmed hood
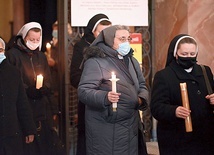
[93,51]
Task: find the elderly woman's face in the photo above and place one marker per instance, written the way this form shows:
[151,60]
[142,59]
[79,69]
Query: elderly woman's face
[121,36]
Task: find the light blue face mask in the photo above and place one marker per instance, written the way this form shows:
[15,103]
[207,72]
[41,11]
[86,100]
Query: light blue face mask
[55,34]
[124,48]
[2,57]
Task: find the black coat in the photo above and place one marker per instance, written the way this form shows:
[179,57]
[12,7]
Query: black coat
[15,113]
[77,60]
[166,97]
[76,69]
[31,64]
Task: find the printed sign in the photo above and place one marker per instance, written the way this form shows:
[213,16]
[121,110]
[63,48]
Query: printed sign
[136,44]
[123,12]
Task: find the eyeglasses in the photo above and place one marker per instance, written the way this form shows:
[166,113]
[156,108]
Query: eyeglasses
[1,50]
[124,39]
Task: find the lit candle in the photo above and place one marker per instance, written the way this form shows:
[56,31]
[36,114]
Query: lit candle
[114,88]
[39,81]
[48,49]
[185,102]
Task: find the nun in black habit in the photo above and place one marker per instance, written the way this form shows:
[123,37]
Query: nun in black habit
[166,102]
[90,32]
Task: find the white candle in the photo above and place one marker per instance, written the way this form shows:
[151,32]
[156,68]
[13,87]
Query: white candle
[113,80]
[48,49]
[114,88]
[39,81]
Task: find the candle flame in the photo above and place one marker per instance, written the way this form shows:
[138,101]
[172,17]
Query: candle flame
[48,45]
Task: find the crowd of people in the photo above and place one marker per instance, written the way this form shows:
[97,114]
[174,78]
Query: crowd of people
[108,113]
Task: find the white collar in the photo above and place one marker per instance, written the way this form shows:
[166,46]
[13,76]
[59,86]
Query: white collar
[188,70]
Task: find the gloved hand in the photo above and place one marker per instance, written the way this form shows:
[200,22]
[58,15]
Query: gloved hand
[44,90]
[33,93]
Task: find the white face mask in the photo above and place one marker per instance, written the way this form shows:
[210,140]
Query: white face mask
[124,48]
[2,57]
[32,45]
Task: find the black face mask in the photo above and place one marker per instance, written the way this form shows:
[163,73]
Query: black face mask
[186,62]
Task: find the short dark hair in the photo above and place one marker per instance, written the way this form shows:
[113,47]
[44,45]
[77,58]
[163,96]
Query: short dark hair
[34,29]
[186,40]
[105,22]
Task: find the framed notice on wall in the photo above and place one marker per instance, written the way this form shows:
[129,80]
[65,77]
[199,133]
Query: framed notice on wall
[124,12]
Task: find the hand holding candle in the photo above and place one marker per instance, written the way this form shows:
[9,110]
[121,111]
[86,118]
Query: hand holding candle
[48,49]
[39,81]
[185,102]
[114,88]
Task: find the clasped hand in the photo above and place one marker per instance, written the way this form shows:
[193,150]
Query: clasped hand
[34,93]
[29,139]
[211,98]
[182,112]
[113,97]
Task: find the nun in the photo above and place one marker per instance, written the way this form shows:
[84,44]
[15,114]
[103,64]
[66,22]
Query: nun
[95,25]
[166,101]
[27,57]
[109,129]
[16,120]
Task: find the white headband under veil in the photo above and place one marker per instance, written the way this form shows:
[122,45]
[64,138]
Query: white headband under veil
[24,30]
[176,45]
